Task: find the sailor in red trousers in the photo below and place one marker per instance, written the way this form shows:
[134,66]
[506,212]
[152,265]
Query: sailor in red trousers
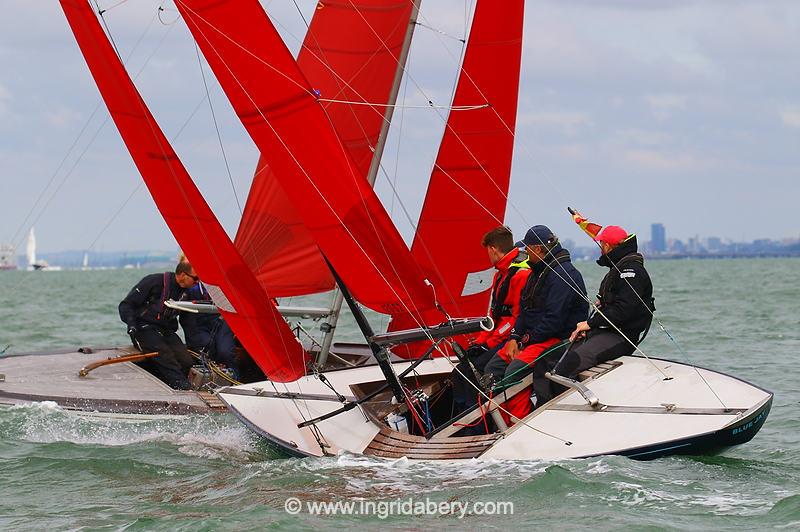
[552,303]
[512,272]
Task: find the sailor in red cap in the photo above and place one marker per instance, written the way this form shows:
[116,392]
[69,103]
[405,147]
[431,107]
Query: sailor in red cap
[624,308]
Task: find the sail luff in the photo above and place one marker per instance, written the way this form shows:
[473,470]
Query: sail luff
[280,111]
[235,290]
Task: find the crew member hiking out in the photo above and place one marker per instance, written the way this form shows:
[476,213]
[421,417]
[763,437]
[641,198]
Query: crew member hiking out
[552,302]
[152,325]
[509,279]
[625,300]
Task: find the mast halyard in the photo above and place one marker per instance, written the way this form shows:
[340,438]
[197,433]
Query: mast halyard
[338,298]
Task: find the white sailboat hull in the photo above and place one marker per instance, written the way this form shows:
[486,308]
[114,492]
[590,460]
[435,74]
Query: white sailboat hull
[646,415]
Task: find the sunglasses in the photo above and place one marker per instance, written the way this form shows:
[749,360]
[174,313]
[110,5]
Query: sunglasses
[195,278]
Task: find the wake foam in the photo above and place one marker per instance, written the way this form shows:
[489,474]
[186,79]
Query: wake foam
[209,436]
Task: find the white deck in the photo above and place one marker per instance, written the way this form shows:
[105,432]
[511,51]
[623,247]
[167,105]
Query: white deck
[634,384]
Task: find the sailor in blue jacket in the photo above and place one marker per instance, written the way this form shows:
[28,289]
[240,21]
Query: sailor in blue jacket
[553,302]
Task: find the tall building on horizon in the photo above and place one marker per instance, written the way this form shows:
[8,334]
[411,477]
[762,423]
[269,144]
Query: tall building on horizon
[658,238]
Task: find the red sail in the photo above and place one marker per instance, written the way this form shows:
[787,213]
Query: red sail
[278,107]
[234,288]
[359,64]
[467,193]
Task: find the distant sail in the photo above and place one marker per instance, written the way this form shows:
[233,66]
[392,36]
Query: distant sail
[359,64]
[278,107]
[30,249]
[468,189]
[234,288]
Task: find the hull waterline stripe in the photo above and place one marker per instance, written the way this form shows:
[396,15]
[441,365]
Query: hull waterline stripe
[651,410]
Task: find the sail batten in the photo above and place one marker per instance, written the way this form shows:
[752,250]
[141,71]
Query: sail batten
[244,304]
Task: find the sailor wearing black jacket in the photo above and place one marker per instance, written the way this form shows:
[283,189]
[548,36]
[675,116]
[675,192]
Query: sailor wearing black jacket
[152,325]
[625,300]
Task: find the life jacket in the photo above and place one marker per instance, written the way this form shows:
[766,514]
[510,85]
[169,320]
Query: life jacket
[155,310]
[637,329]
[499,308]
[533,298]
[607,293]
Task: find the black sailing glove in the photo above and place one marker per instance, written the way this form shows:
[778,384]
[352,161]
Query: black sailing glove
[132,333]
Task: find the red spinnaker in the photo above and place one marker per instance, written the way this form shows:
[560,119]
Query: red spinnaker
[467,193]
[243,303]
[357,64]
[277,106]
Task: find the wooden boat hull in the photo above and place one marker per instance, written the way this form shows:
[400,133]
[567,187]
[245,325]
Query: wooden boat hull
[646,416]
[123,391]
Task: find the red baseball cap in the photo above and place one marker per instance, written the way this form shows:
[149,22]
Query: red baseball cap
[612,234]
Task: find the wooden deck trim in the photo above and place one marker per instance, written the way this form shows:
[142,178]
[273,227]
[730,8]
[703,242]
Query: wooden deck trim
[392,444]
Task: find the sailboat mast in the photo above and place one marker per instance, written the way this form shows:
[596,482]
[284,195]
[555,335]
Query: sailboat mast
[380,352]
[372,175]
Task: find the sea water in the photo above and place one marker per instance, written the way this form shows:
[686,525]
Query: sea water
[62,472]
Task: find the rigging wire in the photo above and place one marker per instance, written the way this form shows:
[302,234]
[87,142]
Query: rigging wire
[314,429]
[508,199]
[101,11]
[53,176]
[140,183]
[296,162]
[99,130]
[291,154]
[560,192]
[462,40]
[266,121]
[161,9]
[345,226]
[216,127]
[155,132]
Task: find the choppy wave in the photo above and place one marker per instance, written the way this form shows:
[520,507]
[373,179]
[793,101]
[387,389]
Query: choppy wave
[60,471]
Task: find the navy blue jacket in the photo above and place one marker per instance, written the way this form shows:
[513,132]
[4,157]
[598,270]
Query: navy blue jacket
[553,300]
[198,327]
[144,304]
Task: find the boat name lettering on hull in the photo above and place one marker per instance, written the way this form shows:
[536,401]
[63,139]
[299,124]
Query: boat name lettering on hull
[749,425]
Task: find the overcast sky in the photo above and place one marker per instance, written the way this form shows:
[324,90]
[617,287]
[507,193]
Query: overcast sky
[675,111]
